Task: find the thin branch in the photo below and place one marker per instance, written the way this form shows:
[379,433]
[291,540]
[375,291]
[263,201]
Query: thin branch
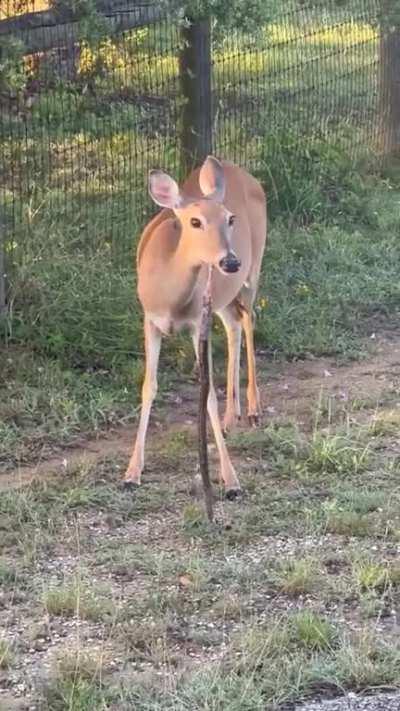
[205,324]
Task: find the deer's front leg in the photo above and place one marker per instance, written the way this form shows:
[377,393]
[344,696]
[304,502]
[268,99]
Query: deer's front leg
[152,339]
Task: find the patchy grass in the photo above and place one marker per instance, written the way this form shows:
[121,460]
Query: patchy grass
[79,693]
[364,661]
[312,631]
[8,574]
[333,453]
[75,683]
[297,577]
[44,405]
[371,576]
[76,599]
[134,601]
[6,654]
[273,605]
[74,357]
[385,422]
[347,523]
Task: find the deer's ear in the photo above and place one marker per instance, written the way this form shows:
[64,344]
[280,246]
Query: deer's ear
[212,179]
[164,190]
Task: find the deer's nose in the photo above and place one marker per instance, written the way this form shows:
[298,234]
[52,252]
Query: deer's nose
[230,264]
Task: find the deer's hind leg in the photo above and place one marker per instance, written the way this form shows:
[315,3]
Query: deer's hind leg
[231,318]
[244,305]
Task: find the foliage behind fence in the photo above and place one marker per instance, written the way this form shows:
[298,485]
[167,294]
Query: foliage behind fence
[81,124]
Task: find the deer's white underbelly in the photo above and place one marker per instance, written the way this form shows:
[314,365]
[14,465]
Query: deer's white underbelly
[169,325]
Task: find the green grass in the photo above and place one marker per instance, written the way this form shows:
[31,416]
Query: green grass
[6,654]
[312,631]
[324,284]
[145,605]
[45,404]
[76,599]
[135,600]
[74,359]
[73,335]
[298,576]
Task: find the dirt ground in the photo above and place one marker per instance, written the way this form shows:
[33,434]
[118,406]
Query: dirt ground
[305,394]
[289,393]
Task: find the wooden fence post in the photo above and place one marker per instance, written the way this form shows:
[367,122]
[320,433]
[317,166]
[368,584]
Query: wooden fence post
[195,75]
[390,80]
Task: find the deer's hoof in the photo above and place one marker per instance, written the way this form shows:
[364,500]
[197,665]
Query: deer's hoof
[254,420]
[233,494]
[130,485]
[230,424]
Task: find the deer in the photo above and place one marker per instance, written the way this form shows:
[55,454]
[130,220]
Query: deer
[217,221]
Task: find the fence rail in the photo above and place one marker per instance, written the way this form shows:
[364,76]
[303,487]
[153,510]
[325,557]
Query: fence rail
[82,121]
[47,29]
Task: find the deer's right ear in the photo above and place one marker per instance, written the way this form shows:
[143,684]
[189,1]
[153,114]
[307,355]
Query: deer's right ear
[164,190]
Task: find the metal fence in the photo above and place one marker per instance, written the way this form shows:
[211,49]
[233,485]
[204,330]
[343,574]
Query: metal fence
[82,120]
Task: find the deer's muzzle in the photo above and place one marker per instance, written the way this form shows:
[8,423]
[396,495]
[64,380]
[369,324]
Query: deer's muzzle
[230,264]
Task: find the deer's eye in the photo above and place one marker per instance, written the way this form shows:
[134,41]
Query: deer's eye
[231,220]
[195,222]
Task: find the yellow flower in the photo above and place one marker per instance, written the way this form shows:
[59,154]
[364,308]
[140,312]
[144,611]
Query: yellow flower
[302,289]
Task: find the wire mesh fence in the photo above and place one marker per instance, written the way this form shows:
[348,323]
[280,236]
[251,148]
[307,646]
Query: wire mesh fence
[82,122]
[312,73]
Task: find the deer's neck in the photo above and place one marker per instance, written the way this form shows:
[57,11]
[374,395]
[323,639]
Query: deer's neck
[186,278]
[171,281]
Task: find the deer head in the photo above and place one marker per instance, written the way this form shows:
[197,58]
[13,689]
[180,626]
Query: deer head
[206,225]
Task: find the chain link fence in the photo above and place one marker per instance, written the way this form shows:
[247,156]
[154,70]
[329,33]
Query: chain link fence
[85,114]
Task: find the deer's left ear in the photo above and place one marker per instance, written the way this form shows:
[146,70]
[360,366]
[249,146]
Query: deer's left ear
[212,179]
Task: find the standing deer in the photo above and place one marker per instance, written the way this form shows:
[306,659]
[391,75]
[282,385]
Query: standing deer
[218,220]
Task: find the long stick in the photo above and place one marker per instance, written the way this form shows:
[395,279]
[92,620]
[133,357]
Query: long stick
[205,324]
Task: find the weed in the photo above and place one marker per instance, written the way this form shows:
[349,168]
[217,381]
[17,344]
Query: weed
[280,446]
[8,574]
[194,519]
[362,501]
[80,665]
[229,606]
[6,654]
[195,574]
[385,422]
[365,662]
[146,641]
[393,572]
[347,523]
[296,577]
[312,631]
[335,454]
[77,695]
[372,604]
[76,599]
[177,445]
[128,559]
[371,576]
